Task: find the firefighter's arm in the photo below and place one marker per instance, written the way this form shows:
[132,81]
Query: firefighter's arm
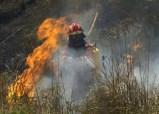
[96,57]
[93,51]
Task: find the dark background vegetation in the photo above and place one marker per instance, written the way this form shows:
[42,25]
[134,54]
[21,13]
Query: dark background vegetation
[19,20]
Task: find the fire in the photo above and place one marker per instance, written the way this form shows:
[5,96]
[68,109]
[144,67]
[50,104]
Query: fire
[50,31]
[137,46]
[129,58]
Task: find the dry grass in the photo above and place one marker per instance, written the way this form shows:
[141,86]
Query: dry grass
[117,92]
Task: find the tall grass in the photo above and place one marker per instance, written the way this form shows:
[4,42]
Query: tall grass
[116,92]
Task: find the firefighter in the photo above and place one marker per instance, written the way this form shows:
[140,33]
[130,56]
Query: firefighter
[78,44]
[77,37]
[81,60]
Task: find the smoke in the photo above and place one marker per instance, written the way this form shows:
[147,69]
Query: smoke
[116,42]
[74,73]
[44,84]
[139,42]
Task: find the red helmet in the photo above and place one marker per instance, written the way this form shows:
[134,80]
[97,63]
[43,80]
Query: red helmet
[74,29]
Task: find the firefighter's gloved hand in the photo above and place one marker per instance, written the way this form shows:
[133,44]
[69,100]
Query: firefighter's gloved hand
[87,45]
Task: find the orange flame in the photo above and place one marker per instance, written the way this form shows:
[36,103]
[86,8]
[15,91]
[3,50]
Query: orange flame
[51,31]
[137,46]
[130,59]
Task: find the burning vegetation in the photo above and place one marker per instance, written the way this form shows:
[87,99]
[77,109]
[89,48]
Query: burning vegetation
[126,32]
[51,30]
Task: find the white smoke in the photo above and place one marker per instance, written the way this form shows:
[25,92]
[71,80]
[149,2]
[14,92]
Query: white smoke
[73,68]
[77,76]
[74,75]
[44,84]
